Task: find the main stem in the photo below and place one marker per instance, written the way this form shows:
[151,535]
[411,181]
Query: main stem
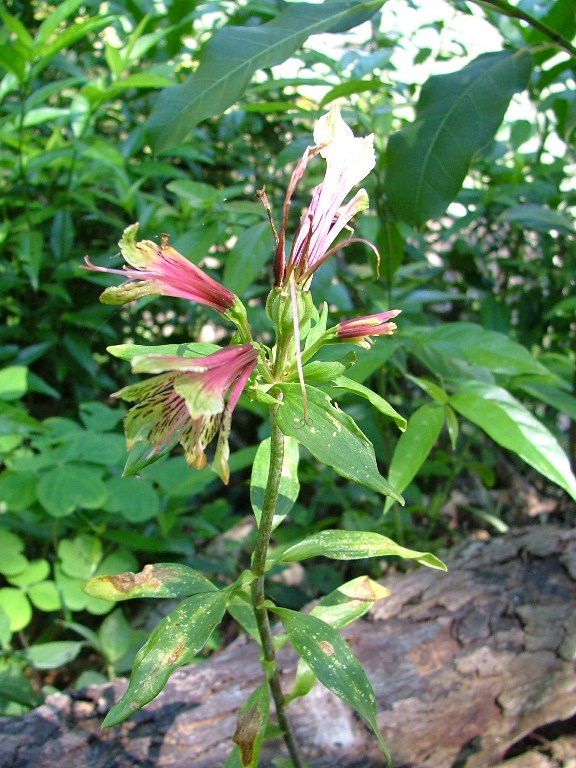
[258,593]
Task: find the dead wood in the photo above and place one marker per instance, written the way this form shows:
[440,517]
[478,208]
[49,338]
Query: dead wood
[465,665]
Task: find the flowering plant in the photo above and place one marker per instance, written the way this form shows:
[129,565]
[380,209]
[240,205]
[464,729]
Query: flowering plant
[189,400]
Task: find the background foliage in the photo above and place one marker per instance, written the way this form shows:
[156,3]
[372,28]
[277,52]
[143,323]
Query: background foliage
[174,115]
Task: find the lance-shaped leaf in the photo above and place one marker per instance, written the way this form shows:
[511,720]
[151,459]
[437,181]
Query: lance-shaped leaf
[174,642]
[233,54]
[289,485]
[457,114]
[350,545]
[373,398]
[342,606]
[331,436]
[159,580]
[332,661]
[414,445]
[251,725]
[511,425]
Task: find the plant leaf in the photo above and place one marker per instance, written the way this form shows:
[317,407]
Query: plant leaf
[339,608]
[247,258]
[511,425]
[230,58]
[195,349]
[332,437]
[331,660]
[457,114]
[159,580]
[413,447]
[289,485]
[350,545]
[251,725]
[374,399]
[538,217]
[174,642]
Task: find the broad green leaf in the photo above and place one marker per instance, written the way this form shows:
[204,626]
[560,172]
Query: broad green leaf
[289,485]
[35,571]
[413,447]
[68,487]
[128,351]
[98,417]
[73,598]
[12,561]
[511,425]
[331,436]
[343,382]
[45,596]
[557,398]
[539,217]
[160,580]
[174,642]
[17,607]
[350,545]
[134,498]
[480,347]
[331,660]
[246,260]
[230,58]
[342,606]
[114,636]
[13,61]
[52,655]
[13,382]
[15,686]
[457,114]
[80,556]
[251,725]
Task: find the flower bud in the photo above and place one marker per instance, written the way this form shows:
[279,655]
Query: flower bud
[280,308]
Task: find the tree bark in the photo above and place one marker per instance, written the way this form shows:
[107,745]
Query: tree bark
[468,667]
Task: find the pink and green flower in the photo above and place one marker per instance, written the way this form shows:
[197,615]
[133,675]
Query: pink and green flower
[349,159]
[360,329]
[160,269]
[187,404]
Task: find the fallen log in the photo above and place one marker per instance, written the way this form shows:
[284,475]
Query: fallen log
[466,666]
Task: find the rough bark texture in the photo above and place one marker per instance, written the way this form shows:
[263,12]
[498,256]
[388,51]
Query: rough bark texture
[465,665]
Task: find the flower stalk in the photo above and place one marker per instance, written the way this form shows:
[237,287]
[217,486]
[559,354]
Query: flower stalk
[258,585]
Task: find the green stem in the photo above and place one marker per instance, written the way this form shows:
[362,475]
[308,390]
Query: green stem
[518,13]
[258,593]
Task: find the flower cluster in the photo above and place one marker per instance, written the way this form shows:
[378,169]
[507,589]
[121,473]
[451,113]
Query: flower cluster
[189,400]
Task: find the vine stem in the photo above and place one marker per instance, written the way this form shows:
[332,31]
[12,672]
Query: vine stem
[258,592]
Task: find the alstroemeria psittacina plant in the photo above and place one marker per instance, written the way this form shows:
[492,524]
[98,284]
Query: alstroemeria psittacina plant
[186,402]
[349,159]
[190,399]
